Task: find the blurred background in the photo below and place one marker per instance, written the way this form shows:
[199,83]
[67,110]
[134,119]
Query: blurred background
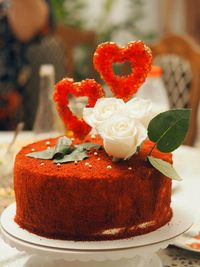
[63,34]
[122,20]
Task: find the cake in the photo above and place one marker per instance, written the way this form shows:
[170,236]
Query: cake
[94,199]
[114,184]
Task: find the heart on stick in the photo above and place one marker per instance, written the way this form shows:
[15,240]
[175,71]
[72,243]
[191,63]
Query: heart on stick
[89,88]
[136,53]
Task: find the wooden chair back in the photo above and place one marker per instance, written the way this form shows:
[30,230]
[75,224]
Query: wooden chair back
[179,56]
[72,37]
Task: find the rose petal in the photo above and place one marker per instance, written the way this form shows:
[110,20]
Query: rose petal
[119,149]
[140,109]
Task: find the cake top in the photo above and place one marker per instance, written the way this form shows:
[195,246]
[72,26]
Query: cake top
[97,164]
[124,123]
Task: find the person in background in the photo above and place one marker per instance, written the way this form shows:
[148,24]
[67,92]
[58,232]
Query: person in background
[23,26]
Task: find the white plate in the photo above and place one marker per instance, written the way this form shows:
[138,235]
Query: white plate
[180,222]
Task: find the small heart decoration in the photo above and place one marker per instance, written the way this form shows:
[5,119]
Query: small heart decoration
[89,88]
[136,53]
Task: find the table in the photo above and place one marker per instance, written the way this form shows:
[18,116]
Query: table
[186,192]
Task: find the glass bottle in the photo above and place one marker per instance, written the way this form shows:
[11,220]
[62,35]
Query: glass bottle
[46,117]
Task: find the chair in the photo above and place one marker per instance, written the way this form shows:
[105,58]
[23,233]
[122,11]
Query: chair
[179,57]
[71,38]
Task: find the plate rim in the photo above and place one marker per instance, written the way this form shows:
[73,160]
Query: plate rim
[128,243]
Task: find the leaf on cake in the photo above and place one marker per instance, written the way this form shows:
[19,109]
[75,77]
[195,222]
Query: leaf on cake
[88,146]
[65,152]
[164,167]
[168,129]
[76,155]
[44,154]
[79,152]
[63,147]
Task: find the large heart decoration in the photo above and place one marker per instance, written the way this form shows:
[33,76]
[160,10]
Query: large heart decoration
[89,88]
[136,53]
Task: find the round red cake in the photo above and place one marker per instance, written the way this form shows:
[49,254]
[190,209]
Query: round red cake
[94,199]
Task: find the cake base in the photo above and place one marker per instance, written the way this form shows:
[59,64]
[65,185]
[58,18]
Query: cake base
[124,252]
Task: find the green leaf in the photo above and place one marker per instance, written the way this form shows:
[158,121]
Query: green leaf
[164,167]
[76,155]
[88,146]
[168,129]
[62,147]
[44,154]
[64,152]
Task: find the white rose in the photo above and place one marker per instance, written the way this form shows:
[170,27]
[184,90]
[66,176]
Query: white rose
[140,109]
[103,109]
[122,135]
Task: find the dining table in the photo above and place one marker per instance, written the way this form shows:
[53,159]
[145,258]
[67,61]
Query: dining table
[185,193]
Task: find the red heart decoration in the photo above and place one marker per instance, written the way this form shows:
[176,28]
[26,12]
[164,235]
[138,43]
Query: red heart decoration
[139,56]
[63,88]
